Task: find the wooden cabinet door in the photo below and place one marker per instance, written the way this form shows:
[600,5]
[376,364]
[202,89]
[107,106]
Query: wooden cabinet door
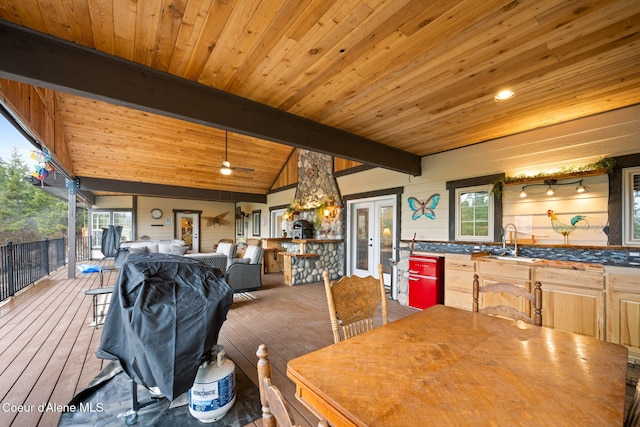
[573,300]
[458,281]
[498,272]
[624,310]
[574,310]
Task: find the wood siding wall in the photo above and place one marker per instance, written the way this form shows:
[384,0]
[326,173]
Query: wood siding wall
[548,149]
[37,108]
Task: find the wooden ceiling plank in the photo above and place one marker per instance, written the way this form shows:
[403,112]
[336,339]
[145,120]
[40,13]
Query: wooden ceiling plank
[432,98]
[234,28]
[124,28]
[77,13]
[23,13]
[322,43]
[419,77]
[100,14]
[255,34]
[193,21]
[213,27]
[86,73]
[170,24]
[146,30]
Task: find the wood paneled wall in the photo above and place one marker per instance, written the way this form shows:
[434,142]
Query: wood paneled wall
[37,110]
[289,174]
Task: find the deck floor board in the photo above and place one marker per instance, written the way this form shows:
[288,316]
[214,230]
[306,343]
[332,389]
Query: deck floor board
[47,343]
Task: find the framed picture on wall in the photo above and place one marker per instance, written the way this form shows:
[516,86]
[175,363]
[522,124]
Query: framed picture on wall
[255,227]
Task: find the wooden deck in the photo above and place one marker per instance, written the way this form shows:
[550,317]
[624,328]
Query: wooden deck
[47,346]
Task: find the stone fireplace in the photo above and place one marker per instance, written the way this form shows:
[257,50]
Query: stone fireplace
[318,201]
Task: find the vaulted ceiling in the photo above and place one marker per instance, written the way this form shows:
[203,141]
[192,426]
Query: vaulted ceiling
[382,82]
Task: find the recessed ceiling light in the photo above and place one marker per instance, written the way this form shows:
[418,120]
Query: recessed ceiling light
[504,94]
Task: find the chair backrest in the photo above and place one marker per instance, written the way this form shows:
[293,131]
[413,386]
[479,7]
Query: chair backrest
[215,247]
[353,302]
[254,254]
[533,300]
[229,249]
[632,418]
[274,410]
[254,242]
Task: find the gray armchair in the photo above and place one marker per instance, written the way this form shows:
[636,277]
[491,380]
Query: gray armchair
[245,274]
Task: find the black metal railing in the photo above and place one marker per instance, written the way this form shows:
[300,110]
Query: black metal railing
[83,250]
[22,264]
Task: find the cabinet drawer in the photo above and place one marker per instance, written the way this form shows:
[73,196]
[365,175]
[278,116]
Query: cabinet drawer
[459,263]
[511,270]
[568,277]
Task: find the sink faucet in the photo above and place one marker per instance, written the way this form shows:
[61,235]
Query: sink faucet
[515,238]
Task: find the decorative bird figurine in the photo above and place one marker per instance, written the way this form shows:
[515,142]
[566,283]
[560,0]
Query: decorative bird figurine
[566,229]
[216,220]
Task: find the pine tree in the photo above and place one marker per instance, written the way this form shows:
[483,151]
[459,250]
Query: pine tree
[27,213]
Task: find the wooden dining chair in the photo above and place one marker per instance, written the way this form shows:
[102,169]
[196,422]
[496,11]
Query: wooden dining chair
[535,298]
[632,418]
[353,302]
[274,409]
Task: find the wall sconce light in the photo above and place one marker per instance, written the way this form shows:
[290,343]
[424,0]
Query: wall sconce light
[550,183]
[329,212]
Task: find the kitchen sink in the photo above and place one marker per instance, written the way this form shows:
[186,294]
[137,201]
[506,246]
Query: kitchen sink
[512,258]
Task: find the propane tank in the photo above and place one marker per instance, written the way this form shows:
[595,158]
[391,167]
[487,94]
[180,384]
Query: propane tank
[214,390]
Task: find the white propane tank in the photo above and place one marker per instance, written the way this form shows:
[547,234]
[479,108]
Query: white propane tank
[214,390]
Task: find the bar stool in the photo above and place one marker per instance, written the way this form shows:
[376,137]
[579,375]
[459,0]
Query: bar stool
[95,293]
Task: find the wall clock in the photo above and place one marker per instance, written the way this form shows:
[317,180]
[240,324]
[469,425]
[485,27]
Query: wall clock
[156,213]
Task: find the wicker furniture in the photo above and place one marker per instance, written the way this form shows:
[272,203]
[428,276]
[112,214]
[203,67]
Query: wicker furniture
[245,274]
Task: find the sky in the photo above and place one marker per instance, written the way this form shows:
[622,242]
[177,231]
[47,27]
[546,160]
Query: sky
[10,138]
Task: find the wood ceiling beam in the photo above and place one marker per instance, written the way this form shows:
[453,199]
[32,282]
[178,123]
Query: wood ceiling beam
[171,191]
[42,60]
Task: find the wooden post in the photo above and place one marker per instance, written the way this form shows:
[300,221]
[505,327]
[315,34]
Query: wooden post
[537,300]
[476,292]
[264,371]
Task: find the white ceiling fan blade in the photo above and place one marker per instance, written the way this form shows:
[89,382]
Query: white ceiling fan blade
[241,169]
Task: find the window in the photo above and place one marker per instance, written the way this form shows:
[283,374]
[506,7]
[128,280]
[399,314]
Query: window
[102,219]
[278,224]
[482,211]
[631,206]
[474,213]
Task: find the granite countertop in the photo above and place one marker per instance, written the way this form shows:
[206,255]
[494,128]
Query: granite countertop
[608,256]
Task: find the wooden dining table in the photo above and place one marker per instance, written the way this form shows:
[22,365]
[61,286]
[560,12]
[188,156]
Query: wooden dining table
[449,367]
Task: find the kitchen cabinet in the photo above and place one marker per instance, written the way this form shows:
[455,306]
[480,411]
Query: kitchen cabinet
[624,308]
[273,259]
[505,272]
[573,300]
[458,281]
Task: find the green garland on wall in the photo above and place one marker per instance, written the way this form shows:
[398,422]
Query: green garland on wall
[605,165]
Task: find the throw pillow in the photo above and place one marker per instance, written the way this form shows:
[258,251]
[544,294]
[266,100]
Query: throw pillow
[139,250]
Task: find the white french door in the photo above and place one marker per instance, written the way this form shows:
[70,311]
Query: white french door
[372,231]
[188,229]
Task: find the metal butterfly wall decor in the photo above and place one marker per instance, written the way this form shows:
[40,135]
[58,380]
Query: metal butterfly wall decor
[424,208]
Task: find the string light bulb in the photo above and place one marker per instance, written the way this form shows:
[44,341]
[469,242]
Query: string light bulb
[550,183]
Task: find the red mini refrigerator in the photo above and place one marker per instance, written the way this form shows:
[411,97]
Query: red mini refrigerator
[426,281]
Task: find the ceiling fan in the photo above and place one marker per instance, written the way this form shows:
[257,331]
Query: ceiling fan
[226,167]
